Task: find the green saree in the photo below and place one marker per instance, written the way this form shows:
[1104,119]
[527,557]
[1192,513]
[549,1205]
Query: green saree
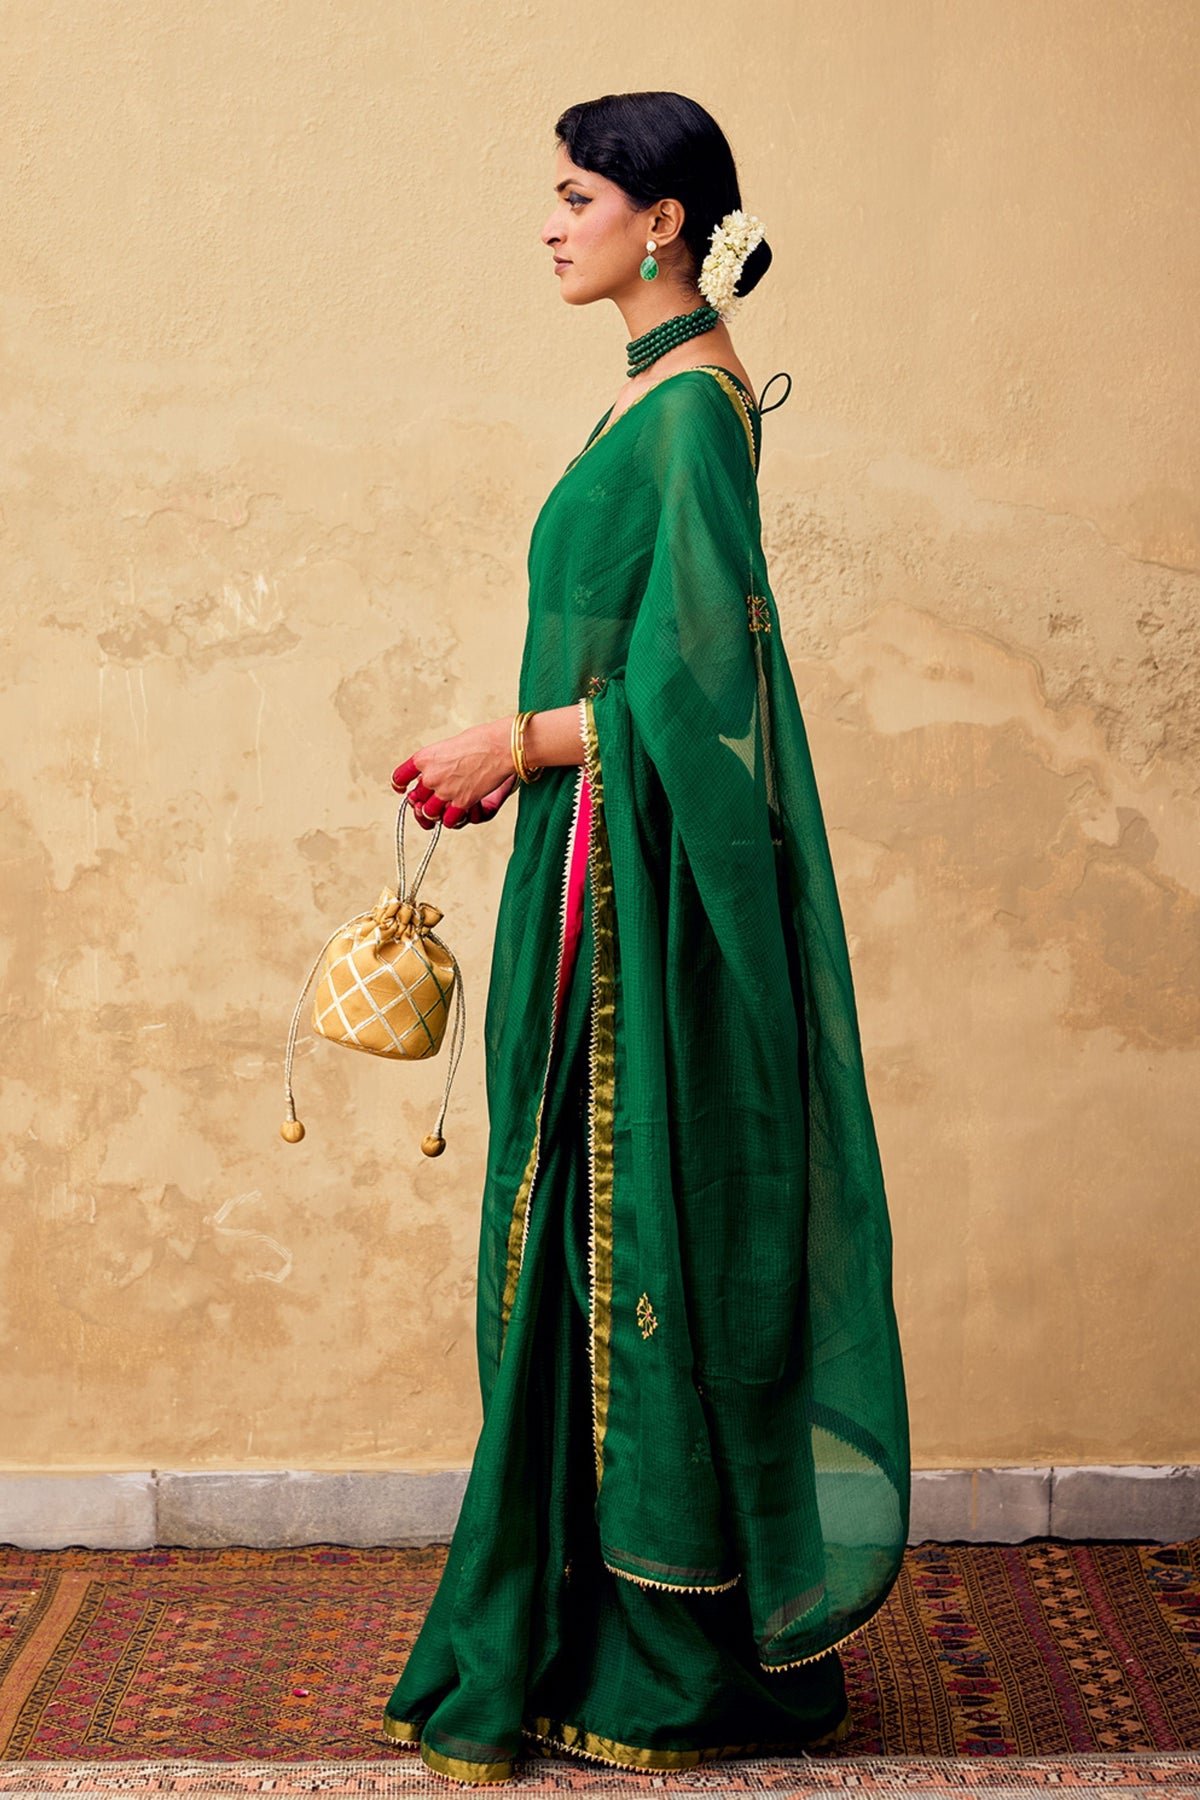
[692,1479]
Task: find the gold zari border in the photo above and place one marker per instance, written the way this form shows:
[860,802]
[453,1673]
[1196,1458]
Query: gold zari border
[402,1729]
[739,400]
[473,1773]
[516,1227]
[601,1071]
[817,1654]
[519,1222]
[674,1587]
[561,1735]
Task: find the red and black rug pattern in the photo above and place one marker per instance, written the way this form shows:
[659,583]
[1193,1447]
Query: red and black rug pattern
[1037,1649]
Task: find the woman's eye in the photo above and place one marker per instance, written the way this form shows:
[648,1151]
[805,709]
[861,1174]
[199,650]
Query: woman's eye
[571,198]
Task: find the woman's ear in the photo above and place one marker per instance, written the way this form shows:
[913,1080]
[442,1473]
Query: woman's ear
[666,222]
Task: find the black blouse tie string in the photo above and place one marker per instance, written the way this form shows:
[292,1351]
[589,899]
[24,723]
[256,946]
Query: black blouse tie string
[784,376]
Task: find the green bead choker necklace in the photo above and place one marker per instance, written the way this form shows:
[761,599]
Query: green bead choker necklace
[652,344]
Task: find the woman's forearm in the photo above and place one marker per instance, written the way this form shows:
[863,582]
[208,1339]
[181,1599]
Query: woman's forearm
[552,738]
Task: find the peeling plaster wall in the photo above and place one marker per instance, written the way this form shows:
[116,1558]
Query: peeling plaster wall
[286,379]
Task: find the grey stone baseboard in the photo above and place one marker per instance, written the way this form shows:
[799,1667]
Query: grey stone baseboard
[1148,1503]
[268,1509]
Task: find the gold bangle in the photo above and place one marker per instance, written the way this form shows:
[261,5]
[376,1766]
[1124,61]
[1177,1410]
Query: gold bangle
[518,747]
[525,770]
[533,770]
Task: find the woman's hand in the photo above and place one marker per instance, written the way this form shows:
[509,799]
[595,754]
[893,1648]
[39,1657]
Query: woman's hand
[462,779]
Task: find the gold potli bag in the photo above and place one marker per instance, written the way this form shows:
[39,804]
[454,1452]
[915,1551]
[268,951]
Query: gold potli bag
[385,982]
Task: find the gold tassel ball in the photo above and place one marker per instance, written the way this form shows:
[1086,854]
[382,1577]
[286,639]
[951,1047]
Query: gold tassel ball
[291,1131]
[432,1144]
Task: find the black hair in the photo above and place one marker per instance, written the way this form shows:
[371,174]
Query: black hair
[659,146]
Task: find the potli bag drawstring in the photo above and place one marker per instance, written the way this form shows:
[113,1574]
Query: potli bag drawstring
[385,981]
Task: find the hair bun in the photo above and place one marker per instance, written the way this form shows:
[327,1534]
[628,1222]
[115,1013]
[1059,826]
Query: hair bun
[754,268]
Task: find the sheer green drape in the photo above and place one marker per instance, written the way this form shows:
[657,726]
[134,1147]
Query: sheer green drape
[743,1386]
[761,1430]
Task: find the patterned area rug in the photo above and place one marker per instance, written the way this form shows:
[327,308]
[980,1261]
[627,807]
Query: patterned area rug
[408,1778]
[1045,1649]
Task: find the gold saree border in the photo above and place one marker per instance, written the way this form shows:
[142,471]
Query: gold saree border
[766,732]
[560,1734]
[740,403]
[676,1587]
[797,1661]
[403,1731]
[518,1226]
[601,1082]
[601,1112]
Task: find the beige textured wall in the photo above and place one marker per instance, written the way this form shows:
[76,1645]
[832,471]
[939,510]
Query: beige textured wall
[286,378]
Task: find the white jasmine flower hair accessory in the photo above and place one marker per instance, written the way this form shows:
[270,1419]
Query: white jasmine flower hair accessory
[731,243]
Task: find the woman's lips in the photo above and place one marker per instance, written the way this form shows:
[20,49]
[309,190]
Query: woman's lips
[561,262]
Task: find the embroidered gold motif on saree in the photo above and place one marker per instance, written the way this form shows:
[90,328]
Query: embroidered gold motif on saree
[760,617]
[596,685]
[645,1316]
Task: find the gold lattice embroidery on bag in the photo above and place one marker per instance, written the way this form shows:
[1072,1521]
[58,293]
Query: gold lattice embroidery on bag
[645,1316]
[385,984]
[760,617]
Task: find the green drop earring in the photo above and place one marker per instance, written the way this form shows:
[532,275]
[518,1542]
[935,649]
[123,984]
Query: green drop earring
[649,267]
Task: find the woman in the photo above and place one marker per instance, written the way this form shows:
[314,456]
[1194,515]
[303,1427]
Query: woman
[691,1482]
